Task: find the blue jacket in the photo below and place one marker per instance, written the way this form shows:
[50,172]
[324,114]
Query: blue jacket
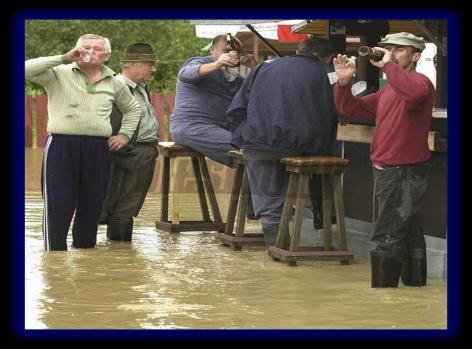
[203,98]
[285,105]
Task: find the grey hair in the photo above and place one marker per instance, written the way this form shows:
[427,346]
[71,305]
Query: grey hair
[124,65]
[95,36]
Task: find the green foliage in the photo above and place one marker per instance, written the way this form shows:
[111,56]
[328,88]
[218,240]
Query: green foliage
[174,41]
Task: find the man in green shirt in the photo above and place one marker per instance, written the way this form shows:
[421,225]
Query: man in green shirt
[76,163]
[133,166]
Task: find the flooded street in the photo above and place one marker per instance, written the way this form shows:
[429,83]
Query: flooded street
[191,281]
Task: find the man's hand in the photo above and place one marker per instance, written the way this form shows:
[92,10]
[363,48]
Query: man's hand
[116,143]
[248,60]
[345,69]
[74,55]
[227,60]
[386,58]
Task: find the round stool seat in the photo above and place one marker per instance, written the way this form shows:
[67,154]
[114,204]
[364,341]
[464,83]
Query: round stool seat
[315,164]
[314,161]
[172,149]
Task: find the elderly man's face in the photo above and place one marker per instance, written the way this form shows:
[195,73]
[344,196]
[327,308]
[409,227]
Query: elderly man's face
[142,70]
[97,47]
[403,55]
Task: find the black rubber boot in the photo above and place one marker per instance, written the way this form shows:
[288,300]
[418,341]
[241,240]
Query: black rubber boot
[414,270]
[386,268]
[120,229]
[270,234]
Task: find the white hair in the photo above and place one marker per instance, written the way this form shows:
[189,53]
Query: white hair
[95,36]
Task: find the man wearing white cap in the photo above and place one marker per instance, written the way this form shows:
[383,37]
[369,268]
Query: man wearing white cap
[403,112]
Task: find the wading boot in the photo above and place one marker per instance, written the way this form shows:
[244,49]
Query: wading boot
[120,229]
[414,271]
[270,234]
[386,268]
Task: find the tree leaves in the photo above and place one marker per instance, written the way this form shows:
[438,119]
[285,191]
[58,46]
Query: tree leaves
[174,41]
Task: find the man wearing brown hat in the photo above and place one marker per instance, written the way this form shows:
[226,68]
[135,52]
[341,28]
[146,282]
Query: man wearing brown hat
[402,111]
[133,166]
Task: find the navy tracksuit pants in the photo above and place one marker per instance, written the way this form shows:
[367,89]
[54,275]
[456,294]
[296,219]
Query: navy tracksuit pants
[74,178]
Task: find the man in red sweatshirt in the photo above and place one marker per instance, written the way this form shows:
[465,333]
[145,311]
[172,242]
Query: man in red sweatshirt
[399,153]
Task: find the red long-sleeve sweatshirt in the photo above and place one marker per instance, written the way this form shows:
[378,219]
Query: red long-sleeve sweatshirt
[402,111]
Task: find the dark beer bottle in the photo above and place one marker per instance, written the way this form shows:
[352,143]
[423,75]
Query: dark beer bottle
[370,52]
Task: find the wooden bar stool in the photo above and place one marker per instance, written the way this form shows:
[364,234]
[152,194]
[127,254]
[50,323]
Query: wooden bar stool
[300,169]
[170,150]
[238,203]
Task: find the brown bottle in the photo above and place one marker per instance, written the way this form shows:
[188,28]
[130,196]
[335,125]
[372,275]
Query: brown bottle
[370,52]
[233,45]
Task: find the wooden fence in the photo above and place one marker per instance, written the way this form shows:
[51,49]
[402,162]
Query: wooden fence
[36,117]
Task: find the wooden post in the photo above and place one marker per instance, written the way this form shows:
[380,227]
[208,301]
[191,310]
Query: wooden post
[173,192]
[200,190]
[28,119]
[157,101]
[165,189]
[41,120]
[300,206]
[327,204]
[255,48]
[287,210]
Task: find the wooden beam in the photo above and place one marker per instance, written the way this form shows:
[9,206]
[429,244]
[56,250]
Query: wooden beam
[355,133]
[363,134]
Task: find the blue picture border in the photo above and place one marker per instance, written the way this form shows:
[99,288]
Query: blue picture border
[17,188]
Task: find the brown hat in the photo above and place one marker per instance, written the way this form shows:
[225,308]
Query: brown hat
[403,39]
[139,52]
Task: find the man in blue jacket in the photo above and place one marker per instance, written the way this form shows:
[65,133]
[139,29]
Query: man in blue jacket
[205,88]
[285,107]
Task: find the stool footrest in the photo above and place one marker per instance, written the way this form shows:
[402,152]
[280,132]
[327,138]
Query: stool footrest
[190,226]
[314,254]
[246,240]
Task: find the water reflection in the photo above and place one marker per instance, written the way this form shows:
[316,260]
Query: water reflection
[190,280]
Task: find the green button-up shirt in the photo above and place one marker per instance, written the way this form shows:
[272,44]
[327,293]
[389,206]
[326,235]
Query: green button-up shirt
[149,127]
[75,105]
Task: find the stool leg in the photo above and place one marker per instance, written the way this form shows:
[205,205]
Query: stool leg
[200,190]
[165,190]
[233,200]
[209,189]
[173,192]
[327,204]
[300,204]
[287,210]
[243,203]
[339,206]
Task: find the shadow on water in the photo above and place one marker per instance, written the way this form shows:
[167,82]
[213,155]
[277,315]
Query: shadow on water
[190,280]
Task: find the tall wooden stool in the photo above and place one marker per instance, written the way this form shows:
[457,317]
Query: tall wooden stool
[300,169]
[238,203]
[170,150]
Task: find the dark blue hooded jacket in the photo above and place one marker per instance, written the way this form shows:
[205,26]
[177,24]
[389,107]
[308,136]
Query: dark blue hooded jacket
[285,105]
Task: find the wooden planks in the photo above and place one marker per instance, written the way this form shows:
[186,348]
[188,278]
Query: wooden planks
[363,134]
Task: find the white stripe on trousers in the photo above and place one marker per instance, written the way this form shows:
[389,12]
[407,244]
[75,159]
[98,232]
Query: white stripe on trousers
[47,242]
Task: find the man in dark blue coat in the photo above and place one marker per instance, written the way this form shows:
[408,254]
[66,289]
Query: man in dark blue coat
[285,107]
